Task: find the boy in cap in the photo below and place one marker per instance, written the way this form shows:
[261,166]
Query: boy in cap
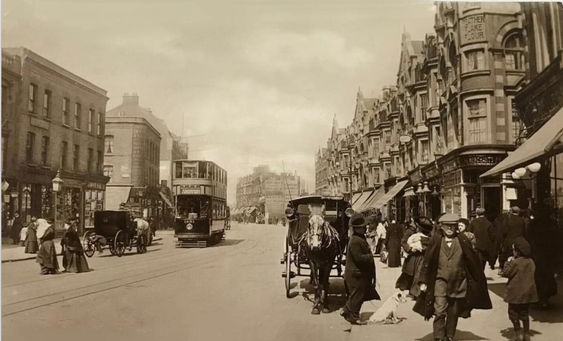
[514,226]
[359,275]
[449,264]
[521,287]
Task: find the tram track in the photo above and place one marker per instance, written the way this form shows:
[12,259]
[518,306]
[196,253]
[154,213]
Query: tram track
[135,276]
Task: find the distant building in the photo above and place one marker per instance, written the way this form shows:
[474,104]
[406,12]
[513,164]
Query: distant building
[132,160]
[269,192]
[52,120]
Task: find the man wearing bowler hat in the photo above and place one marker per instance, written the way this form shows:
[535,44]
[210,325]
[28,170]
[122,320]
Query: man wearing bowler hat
[452,279]
[359,275]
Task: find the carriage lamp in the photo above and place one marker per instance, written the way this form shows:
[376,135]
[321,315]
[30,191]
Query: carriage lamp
[189,226]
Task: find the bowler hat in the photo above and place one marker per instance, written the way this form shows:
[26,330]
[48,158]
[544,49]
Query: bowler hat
[480,211]
[358,220]
[449,218]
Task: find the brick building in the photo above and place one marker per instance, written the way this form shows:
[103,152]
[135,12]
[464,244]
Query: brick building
[420,148]
[52,120]
[132,159]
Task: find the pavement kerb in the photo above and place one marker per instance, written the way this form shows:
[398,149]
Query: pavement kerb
[26,257]
[18,259]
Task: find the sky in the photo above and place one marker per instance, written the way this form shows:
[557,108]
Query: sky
[246,82]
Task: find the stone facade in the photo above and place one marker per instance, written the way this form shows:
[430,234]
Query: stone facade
[448,118]
[53,120]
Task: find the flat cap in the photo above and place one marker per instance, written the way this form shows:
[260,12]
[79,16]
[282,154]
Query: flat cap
[449,218]
[515,209]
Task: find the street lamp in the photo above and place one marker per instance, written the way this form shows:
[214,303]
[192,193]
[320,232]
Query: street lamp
[57,186]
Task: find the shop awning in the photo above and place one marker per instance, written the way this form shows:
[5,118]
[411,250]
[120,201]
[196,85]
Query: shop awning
[166,200]
[355,198]
[541,143]
[358,203]
[115,196]
[370,202]
[390,194]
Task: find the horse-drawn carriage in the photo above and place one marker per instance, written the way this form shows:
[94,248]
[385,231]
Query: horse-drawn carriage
[315,244]
[118,231]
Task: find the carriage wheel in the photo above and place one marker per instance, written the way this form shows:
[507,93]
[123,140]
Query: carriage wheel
[141,244]
[119,243]
[87,244]
[287,269]
[111,249]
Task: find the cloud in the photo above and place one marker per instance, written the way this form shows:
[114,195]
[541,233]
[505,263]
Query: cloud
[289,51]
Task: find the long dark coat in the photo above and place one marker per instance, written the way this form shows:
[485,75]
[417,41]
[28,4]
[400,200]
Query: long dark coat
[409,265]
[484,234]
[360,268]
[16,229]
[73,253]
[477,296]
[514,226]
[31,243]
[543,240]
[393,245]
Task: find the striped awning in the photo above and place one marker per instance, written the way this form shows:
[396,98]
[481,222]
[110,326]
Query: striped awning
[360,201]
[390,194]
[542,143]
[375,196]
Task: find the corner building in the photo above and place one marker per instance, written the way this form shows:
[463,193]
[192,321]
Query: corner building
[52,120]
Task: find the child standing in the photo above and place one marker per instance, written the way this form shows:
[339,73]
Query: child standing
[521,287]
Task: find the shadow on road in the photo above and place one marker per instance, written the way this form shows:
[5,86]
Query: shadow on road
[459,335]
[552,315]
[229,242]
[336,293]
[127,253]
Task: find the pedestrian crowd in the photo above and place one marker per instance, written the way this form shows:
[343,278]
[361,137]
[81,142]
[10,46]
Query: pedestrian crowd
[443,262]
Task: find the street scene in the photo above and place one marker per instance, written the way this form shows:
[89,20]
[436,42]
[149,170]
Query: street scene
[274,170]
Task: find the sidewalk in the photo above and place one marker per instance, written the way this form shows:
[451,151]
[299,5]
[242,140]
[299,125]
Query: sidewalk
[483,325]
[16,253]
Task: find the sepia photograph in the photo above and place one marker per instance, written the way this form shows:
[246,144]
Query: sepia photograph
[273,170]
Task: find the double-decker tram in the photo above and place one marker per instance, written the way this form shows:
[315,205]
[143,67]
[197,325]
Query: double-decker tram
[200,199]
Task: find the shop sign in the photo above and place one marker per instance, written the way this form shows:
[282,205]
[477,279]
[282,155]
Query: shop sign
[97,186]
[473,29]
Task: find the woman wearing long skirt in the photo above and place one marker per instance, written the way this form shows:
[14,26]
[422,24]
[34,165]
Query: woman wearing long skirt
[47,255]
[73,253]
[414,243]
[31,244]
[393,245]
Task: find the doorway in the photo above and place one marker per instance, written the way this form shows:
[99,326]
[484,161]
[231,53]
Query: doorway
[492,202]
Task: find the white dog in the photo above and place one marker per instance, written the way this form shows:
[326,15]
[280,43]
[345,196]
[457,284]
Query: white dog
[387,313]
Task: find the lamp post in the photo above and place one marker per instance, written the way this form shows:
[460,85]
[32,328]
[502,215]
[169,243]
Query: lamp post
[57,186]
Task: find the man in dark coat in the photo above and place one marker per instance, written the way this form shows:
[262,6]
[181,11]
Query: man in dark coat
[484,235]
[17,226]
[359,275]
[514,226]
[452,279]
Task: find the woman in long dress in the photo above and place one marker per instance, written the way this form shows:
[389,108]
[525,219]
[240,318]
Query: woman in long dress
[47,255]
[393,245]
[73,253]
[31,245]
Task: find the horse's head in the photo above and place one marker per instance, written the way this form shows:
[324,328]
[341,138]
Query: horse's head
[315,231]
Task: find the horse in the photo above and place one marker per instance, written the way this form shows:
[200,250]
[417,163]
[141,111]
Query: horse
[322,245]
